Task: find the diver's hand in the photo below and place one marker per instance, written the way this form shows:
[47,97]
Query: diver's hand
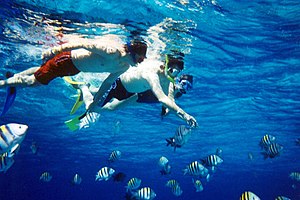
[188,118]
[191,121]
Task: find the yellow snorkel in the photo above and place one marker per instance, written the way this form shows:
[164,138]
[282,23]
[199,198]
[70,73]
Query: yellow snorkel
[171,79]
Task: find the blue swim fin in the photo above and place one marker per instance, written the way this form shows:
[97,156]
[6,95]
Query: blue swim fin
[10,96]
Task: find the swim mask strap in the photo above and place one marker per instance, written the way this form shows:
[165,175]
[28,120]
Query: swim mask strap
[130,50]
[167,71]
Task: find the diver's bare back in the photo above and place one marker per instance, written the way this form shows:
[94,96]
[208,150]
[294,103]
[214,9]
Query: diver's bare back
[86,61]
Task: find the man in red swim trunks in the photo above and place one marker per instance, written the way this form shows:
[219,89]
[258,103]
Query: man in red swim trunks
[105,54]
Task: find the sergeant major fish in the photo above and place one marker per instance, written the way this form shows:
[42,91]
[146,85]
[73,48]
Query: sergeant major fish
[249,196]
[267,140]
[273,150]
[176,190]
[104,174]
[10,135]
[133,184]
[164,164]
[212,161]
[145,193]
[114,156]
[196,169]
[181,137]
[295,176]
[46,177]
[76,179]
[172,183]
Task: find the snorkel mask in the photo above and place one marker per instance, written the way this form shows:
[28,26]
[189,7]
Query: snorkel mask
[170,71]
[183,85]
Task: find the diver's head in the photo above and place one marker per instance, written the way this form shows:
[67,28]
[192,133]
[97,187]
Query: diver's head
[183,84]
[137,49]
[173,66]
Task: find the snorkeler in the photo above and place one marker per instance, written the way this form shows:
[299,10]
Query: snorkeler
[182,85]
[151,75]
[105,54]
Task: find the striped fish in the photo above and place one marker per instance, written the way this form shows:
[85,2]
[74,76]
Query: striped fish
[196,169]
[282,198]
[181,137]
[172,183]
[10,135]
[198,185]
[267,140]
[176,190]
[249,196]
[133,184]
[6,161]
[145,193]
[76,179]
[163,161]
[212,160]
[273,150]
[46,177]
[114,156]
[104,174]
[295,176]
[165,166]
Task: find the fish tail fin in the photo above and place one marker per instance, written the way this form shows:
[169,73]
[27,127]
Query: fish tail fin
[185,171]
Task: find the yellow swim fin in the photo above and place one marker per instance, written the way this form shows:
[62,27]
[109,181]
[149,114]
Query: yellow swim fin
[78,103]
[75,84]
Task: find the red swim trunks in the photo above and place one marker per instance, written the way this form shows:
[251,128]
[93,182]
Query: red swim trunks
[60,65]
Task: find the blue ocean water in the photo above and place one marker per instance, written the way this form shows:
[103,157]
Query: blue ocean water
[245,59]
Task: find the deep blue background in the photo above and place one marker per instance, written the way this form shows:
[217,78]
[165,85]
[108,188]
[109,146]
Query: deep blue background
[245,60]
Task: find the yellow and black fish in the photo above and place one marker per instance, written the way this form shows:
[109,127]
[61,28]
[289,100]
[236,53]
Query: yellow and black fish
[249,196]
[133,184]
[267,140]
[273,150]
[46,177]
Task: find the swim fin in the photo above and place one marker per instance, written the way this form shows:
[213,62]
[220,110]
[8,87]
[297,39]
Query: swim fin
[75,84]
[74,124]
[82,121]
[10,96]
[78,103]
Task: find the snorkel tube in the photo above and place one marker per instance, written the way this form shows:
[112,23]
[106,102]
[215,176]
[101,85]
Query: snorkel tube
[171,79]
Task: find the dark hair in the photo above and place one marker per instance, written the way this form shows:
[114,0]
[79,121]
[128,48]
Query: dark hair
[175,62]
[186,77]
[137,47]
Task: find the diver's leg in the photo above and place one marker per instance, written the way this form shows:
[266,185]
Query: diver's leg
[29,71]
[87,95]
[19,80]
